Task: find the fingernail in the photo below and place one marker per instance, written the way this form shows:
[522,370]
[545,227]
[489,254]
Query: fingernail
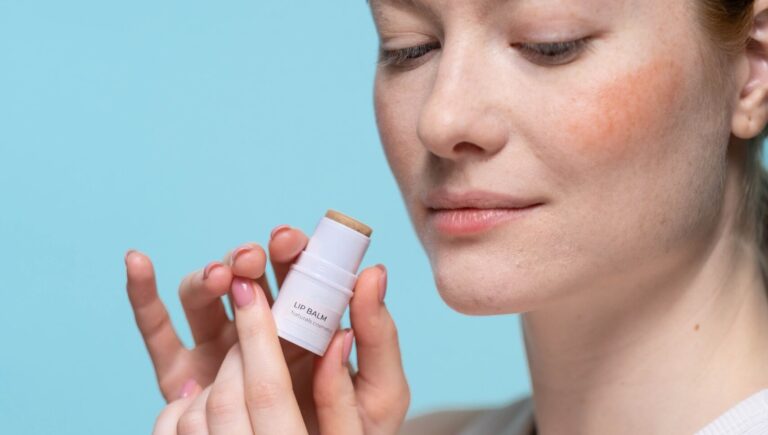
[128,254]
[239,251]
[382,282]
[242,292]
[212,265]
[346,348]
[278,229]
[188,388]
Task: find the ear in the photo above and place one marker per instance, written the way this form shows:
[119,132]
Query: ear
[751,114]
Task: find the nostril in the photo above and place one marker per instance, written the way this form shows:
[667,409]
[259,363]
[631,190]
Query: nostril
[470,147]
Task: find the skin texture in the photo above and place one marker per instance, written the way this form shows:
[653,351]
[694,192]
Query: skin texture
[636,293]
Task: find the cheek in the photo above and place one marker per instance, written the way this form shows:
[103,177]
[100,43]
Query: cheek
[626,112]
[395,123]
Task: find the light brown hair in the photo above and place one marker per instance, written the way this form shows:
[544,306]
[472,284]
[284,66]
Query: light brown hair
[728,24]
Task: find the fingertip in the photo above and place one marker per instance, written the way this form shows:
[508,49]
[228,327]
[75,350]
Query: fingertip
[210,267]
[249,260]
[189,389]
[286,244]
[216,278]
[382,282]
[133,256]
[333,390]
[138,266]
[333,360]
[128,254]
[346,349]
[278,230]
[370,318]
[365,296]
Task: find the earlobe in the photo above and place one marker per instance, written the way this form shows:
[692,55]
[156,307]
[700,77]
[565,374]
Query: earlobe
[750,116]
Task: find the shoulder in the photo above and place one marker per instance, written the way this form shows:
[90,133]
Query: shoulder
[515,418]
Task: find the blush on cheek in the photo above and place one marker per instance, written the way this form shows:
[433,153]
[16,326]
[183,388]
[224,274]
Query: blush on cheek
[625,111]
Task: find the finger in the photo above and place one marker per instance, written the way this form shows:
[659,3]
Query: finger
[193,420]
[334,393]
[167,420]
[380,381]
[285,245]
[162,343]
[250,261]
[225,407]
[269,397]
[200,293]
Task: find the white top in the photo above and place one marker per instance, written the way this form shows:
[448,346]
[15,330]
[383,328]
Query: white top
[748,417]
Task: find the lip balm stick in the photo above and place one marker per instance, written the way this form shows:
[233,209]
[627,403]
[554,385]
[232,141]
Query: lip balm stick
[316,291]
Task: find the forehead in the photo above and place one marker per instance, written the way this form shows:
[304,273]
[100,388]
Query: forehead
[428,4]
[636,11]
[485,7]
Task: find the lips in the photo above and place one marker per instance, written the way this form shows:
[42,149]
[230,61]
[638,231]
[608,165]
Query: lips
[441,199]
[470,212]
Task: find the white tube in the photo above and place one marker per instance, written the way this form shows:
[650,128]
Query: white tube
[317,289]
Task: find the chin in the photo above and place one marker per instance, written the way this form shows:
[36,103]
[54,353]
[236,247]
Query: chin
[477,291]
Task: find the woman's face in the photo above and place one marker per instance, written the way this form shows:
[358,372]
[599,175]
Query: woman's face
[622,140]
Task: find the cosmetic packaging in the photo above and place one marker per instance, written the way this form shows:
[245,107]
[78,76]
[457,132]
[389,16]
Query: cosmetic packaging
[319,284]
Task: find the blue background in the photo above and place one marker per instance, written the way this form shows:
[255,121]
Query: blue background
[183,128]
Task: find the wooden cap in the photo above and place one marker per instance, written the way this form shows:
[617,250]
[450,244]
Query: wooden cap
[349,222]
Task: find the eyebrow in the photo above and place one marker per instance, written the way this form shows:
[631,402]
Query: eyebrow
[414,5]
[419,4]
[404,3]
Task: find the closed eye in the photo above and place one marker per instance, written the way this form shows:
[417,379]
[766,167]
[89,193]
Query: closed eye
[552,53]
[404,57]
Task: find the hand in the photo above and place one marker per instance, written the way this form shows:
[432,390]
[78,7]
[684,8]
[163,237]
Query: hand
[214,333]
[253,391]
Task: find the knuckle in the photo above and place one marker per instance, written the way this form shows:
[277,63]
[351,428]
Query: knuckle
[325,398]
[191,422]
[322,396]
[184,284]
[405,401]
[222,405]
[166,387]
[263,394]
[390,331]
[249,331]
[386,333]
[389,403]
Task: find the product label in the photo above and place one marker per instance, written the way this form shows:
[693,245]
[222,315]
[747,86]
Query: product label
[314,316]
[311,316]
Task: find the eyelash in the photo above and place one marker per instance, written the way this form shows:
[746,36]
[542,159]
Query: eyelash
[400,57]
[553,53]
[546,53]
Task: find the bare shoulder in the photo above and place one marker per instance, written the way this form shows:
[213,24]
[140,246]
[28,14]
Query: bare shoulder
[516,417]
[440,422]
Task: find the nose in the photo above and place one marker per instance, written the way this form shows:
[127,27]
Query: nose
[461,116]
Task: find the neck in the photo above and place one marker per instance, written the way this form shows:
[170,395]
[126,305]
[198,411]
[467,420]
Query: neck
[667,356]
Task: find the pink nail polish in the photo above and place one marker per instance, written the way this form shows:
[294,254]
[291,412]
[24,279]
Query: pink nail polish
[242,292]
[346,348]
[212,265]
[382,282]
[239,251]
[278,229]
[188,388]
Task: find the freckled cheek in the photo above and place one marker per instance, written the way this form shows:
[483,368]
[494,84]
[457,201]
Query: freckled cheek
[624,115]
[396,126]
